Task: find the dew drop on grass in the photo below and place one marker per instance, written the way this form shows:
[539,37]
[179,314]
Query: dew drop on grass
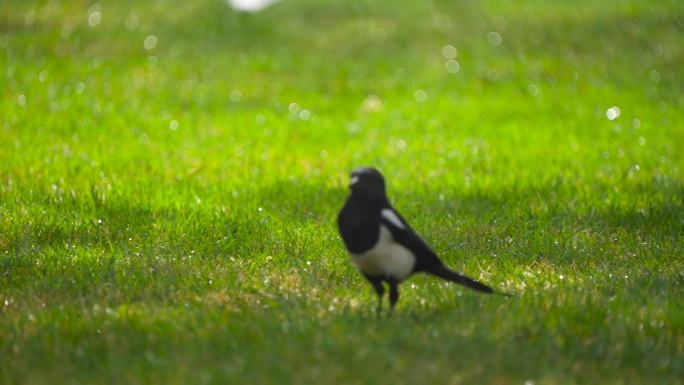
[150,42]
[494,38]
[132,22]
[21,100]
[449,52]
[173,125]
[613,113]
[372,103]
[304,115]
[642,140]
[235,96]
[94,18]
[493,75]
[420,96]
[533,89]
[30,17]
[353,127]
[452,66]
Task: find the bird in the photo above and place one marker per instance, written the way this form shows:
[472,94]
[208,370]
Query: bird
[382,245]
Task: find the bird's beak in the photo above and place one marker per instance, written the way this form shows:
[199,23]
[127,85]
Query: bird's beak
[353,181]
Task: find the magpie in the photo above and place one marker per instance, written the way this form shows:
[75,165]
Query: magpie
[381,243]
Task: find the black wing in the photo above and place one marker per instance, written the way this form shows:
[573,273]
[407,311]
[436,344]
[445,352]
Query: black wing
[426,259]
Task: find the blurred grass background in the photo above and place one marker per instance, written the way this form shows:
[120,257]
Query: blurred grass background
[170,173]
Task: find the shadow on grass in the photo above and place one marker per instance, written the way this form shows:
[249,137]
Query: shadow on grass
[288,207]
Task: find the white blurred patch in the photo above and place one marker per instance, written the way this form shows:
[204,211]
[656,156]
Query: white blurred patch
[613,113]
[386,259]
[251,6]
[392,217]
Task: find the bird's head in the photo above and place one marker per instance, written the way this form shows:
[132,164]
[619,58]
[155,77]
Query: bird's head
[368,184]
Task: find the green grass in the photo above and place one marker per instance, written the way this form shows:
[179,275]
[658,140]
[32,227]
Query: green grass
[131,252]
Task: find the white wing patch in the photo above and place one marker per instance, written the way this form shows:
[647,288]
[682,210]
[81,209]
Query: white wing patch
[392,217]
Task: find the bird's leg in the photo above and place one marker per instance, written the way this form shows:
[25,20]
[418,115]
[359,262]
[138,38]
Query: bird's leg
[379,289]
[394,293]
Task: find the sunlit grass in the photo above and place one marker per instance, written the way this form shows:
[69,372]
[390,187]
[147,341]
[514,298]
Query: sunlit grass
[167,211]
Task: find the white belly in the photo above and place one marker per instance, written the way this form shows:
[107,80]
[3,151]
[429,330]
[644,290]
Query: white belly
[386,259]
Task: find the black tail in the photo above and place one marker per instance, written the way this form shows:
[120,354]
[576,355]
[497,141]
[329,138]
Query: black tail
[452,276]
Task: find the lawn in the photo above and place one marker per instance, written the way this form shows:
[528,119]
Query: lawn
[170,174]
